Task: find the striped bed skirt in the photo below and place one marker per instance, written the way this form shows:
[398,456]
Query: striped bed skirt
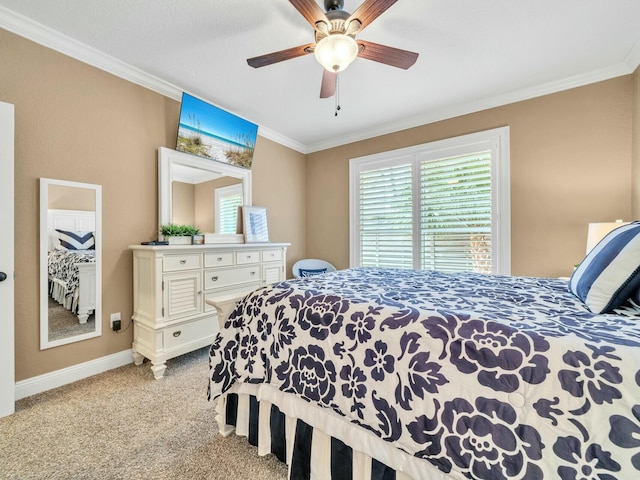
[315,443]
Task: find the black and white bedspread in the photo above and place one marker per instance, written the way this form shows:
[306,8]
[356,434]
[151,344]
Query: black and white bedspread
[494,377]
[62,266]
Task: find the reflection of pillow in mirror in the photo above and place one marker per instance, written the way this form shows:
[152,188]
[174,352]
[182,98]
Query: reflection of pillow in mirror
[309,272]
[54,242]
[76,240]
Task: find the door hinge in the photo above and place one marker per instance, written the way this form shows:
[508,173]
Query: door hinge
[163,311]
[163,285]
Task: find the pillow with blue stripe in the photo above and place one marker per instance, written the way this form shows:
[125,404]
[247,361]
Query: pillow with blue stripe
[310,272]
[76,240]
[610,273]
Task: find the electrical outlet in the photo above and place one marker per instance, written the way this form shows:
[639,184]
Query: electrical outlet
[115,317]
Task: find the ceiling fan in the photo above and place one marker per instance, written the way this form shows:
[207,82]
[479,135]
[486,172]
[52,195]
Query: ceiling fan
[335,46]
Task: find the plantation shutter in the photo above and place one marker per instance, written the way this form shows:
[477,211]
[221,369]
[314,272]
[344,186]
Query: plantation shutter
[386,217]
[455,213]
[443,205]
[229,212]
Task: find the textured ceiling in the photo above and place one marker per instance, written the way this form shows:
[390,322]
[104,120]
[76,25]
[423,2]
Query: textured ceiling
[473,55]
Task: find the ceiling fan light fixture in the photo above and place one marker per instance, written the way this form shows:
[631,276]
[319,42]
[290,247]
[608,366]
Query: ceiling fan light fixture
[336,52]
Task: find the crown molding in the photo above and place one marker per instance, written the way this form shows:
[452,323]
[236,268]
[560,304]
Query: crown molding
[47,37]
[618,70]
[633,57]
[43,35]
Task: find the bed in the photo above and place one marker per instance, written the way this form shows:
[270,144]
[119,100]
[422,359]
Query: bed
[384,373]
[71,266]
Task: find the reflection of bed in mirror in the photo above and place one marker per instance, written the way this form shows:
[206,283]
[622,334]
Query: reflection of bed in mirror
[72,268]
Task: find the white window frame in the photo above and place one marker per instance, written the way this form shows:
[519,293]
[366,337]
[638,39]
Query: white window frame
[495,140]
[220,193]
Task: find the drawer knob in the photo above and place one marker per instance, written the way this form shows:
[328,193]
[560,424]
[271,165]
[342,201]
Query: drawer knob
[214,279]
[177,334]
[253,273]
[219,259]
[182,262]
[248,256]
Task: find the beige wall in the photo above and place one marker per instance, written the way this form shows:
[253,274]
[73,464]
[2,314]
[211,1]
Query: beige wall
[205,201]
[635,169]
[75,122]
[282,191]
[570,165]
[71,198]
[183,203]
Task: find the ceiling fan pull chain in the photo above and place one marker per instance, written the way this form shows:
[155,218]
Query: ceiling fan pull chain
[337,93]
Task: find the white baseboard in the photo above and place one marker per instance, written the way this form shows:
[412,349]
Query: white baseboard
[47,381]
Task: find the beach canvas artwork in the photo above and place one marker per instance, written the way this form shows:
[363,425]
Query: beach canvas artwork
[210,132]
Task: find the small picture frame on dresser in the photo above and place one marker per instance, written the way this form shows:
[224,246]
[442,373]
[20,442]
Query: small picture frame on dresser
[197,239]
[255,227]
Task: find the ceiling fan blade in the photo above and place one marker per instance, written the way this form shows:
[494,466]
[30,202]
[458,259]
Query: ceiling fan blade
[328,87]
[310,10]
[369,11]
[387,55]
[280,56]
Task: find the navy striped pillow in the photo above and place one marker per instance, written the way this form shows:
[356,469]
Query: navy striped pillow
[610,273]
[309,272]
[76,240]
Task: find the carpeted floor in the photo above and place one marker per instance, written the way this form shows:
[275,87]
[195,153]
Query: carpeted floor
[64,324]
[123,424]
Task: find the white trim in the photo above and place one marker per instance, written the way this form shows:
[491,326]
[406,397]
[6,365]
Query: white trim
[168,157]
[58,378]
[44,275]
[497,140]
[454,111]
[7,260]
[633,57]
[36,32]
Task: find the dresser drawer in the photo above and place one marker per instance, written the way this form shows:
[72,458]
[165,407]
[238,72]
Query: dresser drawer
[227,277]
[222,259]
[189,261]
[250,256]
[190,332]
[271,255]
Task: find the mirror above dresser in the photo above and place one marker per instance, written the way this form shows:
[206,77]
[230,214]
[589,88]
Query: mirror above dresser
[203,193]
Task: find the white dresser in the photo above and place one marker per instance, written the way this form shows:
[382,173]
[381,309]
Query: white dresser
[171,287]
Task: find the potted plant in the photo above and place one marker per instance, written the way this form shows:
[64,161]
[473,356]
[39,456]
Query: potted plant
[178,234]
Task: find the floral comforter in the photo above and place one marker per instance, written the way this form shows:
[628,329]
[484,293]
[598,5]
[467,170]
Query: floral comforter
[495,377]
[62,266]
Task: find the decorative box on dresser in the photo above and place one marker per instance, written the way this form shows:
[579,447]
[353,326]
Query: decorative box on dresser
[175,289]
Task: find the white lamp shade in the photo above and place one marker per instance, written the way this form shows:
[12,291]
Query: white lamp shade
[336,52]
[597,231]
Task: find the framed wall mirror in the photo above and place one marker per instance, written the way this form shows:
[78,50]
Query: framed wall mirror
[70,262]
[203,193]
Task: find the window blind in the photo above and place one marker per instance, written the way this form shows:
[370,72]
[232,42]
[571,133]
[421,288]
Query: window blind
[229,212]
[454,205]
[386,210]
[455,213]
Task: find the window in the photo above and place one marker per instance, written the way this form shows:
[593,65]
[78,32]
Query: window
[438,206]
[228,199]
